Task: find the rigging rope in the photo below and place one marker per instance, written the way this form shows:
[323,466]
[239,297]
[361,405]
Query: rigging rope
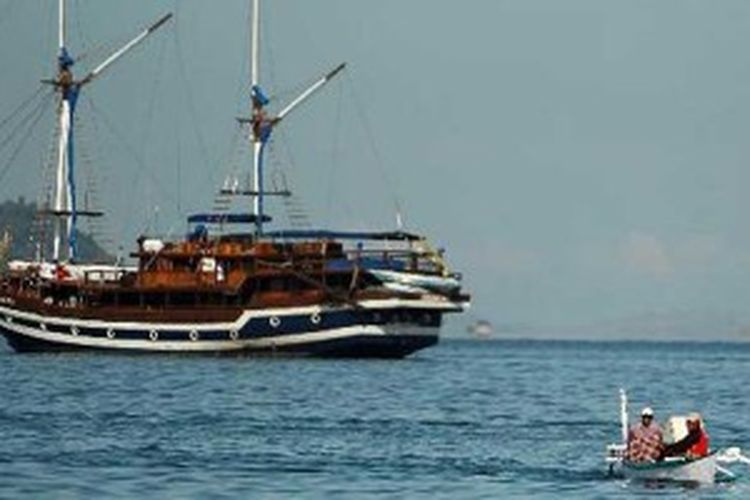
[21,106]
[334,155]
[178,158]
[140,164]
[373,146]
[191,100]
[151,104]
[26,119]
[85,41]
[88,157]
[39,113]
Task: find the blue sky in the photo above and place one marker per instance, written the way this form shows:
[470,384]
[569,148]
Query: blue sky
[585,163]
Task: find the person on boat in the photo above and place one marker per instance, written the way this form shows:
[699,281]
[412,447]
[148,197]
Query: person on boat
[694,445]
[645,439]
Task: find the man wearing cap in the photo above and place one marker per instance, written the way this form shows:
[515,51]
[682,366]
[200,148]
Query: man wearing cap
[695,444]
[645,439]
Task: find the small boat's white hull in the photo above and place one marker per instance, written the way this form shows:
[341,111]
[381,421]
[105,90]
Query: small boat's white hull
[702,470]
[401,281]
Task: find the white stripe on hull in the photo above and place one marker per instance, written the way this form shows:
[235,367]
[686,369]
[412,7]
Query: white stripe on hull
[263,343]
[243,319]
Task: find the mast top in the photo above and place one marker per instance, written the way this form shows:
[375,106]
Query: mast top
[255,44]
[61,25]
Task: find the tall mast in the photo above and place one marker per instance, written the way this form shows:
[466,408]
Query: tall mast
[59,173]
[64,204]
[61,19]
[262,124]
[62,201]
[257,118]
[255,47]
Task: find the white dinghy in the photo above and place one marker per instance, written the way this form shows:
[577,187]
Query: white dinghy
[702,470]
[679,469]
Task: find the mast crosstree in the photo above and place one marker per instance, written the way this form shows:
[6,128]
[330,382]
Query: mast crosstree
[64,207]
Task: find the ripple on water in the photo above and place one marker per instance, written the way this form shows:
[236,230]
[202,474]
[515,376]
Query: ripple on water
[463,420]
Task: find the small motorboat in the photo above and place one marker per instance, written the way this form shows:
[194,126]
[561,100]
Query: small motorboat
[699,470]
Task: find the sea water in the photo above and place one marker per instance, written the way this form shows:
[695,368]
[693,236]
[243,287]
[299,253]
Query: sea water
[466,419]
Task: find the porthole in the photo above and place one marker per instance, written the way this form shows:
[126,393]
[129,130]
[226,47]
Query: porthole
[110,334]
[153,335]
[194,335]
[315,318]
[74,330]
[234,334]
[43,327]
[274,321]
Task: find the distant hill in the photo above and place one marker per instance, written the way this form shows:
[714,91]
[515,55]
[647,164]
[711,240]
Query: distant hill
[19,221]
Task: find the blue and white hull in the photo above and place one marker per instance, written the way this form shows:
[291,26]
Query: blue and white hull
[388,328]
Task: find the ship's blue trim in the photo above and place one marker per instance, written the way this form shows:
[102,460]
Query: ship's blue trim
[355,346]
[256,328]
[265,135]
[259,97]
[365,263]
[71,96]
[64,59]
[344,235]
[224,218]
[265,127]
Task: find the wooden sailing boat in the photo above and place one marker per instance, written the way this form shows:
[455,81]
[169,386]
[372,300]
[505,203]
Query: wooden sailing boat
[325,293]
